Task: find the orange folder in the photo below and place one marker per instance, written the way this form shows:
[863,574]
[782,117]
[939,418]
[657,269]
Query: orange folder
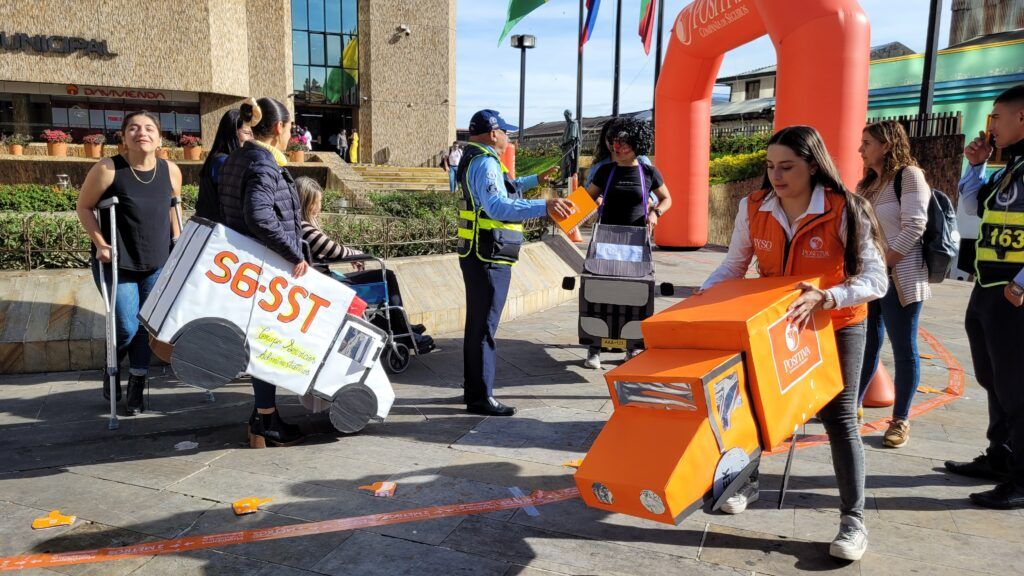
[585,208]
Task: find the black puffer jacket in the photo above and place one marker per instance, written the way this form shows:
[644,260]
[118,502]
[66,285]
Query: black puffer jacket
[258,199]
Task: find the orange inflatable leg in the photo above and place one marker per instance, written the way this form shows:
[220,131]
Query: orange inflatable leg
[881,392]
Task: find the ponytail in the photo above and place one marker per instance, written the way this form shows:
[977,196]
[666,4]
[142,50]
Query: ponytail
[262,115]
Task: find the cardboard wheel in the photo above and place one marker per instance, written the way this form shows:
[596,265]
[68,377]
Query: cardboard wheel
[352,408]
[209,354]
[161,350]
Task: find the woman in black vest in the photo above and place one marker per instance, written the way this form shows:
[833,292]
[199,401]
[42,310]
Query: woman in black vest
[143,185]
[231,133]
[258,198]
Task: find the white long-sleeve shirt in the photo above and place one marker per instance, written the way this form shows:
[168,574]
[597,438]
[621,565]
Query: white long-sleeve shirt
[870,284]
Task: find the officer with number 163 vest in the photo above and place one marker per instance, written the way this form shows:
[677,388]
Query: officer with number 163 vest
[490,235]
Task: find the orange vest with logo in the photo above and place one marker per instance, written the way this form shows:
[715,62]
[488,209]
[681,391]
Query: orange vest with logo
[816,249]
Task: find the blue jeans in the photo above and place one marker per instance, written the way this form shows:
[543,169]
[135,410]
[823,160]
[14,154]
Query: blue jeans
[132,290]
[486,291]
[901,323]
[451,180]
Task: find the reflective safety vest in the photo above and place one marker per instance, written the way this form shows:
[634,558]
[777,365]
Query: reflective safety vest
[999,253]
[816,249]
[490,240]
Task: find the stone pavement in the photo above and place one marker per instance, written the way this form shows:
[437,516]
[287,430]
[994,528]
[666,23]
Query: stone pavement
[134,485]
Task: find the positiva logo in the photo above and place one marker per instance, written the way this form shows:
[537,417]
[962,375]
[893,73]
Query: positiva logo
[705,17]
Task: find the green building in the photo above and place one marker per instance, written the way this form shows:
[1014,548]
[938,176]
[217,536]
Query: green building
[967,78]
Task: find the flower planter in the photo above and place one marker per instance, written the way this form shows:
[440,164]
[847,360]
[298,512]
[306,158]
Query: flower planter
[192,152]
[15,149]
[297,156]
[93,150]
[163,153]
[56,148]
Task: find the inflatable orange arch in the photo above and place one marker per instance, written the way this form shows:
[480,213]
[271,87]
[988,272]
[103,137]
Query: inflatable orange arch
[823,49]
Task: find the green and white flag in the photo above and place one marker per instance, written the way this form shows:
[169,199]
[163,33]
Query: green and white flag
[517,10]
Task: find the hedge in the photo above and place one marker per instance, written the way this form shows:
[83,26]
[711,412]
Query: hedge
[737,167]
[739,143]
[402,224]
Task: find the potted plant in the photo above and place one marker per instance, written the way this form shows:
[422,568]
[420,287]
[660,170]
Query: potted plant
[164,151]
[192,146]
[296,150]
[94,145]
[56,142]
[16,143]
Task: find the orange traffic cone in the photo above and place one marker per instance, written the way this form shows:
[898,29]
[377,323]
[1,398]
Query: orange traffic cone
[881,392]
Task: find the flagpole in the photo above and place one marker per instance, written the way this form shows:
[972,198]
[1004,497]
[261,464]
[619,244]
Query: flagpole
[579,92]
[657,56]
[618,42]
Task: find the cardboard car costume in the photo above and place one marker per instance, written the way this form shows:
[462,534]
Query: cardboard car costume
[230,306]
[725,376]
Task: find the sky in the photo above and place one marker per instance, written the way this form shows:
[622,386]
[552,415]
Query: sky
[487,75]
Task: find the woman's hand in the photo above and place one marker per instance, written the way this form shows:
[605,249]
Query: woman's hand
[806,304]
[300,269]
[652,221]
[104,253]
[697,291]
[359,265]
[892,258]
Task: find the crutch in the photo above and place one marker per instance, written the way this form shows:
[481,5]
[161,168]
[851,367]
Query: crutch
[176,206]
[110,302]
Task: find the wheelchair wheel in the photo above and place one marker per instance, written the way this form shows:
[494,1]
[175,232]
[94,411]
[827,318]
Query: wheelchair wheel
[397,358]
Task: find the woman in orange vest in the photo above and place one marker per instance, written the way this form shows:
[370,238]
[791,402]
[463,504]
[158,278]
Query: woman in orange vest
[805,222]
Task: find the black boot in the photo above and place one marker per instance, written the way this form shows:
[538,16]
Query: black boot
[136,403]
[271,429]
[117,387]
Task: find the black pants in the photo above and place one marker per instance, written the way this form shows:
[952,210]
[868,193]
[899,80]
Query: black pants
[995,329]
[486,291]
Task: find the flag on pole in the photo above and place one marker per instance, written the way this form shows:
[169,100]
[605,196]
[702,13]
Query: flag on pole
[647,23]
[517,10]
[588,24]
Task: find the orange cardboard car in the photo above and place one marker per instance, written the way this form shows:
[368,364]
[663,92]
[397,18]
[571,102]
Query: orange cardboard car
[725,376]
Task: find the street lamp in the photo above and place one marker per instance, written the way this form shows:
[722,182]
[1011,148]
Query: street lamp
[523,42]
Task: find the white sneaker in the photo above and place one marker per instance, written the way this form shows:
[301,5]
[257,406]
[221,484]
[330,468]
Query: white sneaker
[593,361]
[630,354]
[852,540]
[737,503]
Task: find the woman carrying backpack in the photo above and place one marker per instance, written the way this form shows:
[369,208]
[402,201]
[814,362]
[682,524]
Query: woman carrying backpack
[888,164]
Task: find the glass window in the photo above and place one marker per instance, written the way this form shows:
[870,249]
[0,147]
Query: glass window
[60,117]
[96,119]
[332,15]
[316,50]
[349,16]
[299,76]
[317,79]
[350,90]
[300,48]
[316,15]
[299,21]
[350,54]
[333,50]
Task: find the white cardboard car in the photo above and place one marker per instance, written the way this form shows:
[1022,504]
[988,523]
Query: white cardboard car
[230,306]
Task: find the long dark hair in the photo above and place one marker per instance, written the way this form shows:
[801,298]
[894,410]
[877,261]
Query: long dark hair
[270,112]
[892,133]
[226,140]
[602,152]
[807,144]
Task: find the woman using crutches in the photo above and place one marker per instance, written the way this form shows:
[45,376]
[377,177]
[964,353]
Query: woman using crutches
[144,228]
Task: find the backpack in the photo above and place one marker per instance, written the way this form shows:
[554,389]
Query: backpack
[941,239]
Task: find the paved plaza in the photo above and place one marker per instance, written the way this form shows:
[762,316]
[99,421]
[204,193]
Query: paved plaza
[140,483]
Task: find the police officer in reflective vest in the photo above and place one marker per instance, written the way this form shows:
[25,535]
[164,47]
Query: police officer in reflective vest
[995,318]
[490,236]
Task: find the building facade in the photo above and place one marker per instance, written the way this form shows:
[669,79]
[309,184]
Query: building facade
[385,68]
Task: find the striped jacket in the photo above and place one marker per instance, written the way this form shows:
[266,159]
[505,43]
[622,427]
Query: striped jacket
[903,223]
[322,247]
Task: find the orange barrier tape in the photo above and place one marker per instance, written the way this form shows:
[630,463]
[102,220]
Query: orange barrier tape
[537,498]
[954,389]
